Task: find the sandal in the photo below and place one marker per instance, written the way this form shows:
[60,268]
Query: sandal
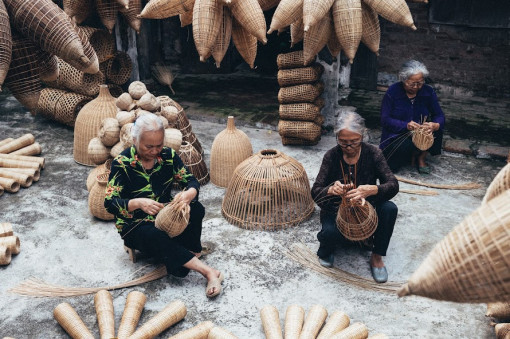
[214,283]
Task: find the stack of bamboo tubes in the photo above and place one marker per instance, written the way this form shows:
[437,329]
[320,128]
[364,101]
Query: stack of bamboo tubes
[18,165]
[9,243]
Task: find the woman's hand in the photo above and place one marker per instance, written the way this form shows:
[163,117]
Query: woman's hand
[185,197]
[339,189]
[412,125]
[362,192]
[431,126]
[147,205]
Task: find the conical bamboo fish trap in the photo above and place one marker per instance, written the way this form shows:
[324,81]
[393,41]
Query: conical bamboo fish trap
[18,163]
[194,161]
[135,302]
[287,12]
[5,42]
[1,190]
[101,41]
[5,255]
[78,10]
[305,130]
[220,47]
[315,317]
[5,229]
[270,319]
[355,221]
[268,191]
[316,37]
[245,43]
[249,14]
[12,242]
[298,93]
[296,32]
[161,9]
[48,66]
[131,14]
[314,11]
[103,303]
[173,218]
[74,80]
[186,18]
[220,333]
[422,138]
[355,331]
[107,11]
[207,16]
[200,331]
[170,315]
[471,263]
[71,322]
[290,60]
[371,29]
[498,310]
[229,148]
[118,68]
[268,4]
[302,75]
[60,105]
[499,184]
[395,11]
[88,121]
[93,174]
[16,144]
[347,18]
[88,50]
[336,323]
[294,318]
[304,111]
[333,44]
[502,330]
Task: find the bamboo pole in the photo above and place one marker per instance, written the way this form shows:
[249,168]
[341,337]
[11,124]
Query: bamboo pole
[31,172]
[294,317]
[9,185]
[71,322]
[12,242]
[18,163]
[103,303]
[16,144]
[40,160]
[33,149]
[5,141]
[23,179]
[5,229]
[135,302]
[200,331]
[271,322]
[171,314]
[5,255]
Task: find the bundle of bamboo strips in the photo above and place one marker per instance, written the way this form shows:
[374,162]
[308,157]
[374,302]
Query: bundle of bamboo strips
[9,243]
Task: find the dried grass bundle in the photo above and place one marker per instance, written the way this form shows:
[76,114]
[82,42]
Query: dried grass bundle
[164,75]
[468,186]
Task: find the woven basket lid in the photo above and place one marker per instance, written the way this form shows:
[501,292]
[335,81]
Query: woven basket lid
[268,191]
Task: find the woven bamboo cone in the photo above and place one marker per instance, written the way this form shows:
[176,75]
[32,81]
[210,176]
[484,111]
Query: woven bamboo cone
[371,29]
[9,185]
[48,68]
[294,317]
[249,14]
[23,179]
[40,161]
[5,42]
[496,310]
[313,322]
[316,38]
[499,184]
[5,141]
[355,331]
[171,314]
[33,173]
[223,38]
[503,331]
[135,302]
[347,17]
[161,9]
[395,11]
[287,12]
[103,303]
[33,149]
[78,10]
[336,322]
[5,229]
[271,322]
[470,264]
[207,15]
[220,333]
[296,32]
[245,43]
[18,163]
[186,18]
[12,242]
[131,14]
[5,255]
[200,331]
[71,322]
[107,11]
[314,11]
[18,143]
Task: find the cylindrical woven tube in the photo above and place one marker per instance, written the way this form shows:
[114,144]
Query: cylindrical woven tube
[200,331]
[313,322]
[18,163]
[336,322]
[355,331]
[305,130]
[18,143]
[12,242]
[71,322]
[5,255]
[135,302]
[5,229]
[5,141]
[9,185]
[23,179]
[220,333]
[31,172]
[304,111]
[171,314]
[103,302]
[39,160]
[118,69]
[33,149]
[271,322]
[294,317]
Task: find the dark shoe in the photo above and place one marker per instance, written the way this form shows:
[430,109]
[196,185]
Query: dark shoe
[327,261]
[424,170]
[380,274]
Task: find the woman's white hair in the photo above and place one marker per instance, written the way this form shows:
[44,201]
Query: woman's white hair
[410,68]
[146,123]
[351,121]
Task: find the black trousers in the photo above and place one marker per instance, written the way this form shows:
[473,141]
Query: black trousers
[330,237]
[174,252]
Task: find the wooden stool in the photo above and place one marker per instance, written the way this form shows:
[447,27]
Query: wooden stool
[131,252]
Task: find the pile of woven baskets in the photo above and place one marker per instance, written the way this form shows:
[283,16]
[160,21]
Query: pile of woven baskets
[300,99]
[9,243]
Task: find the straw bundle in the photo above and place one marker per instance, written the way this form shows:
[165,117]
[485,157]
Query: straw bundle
[109,131]
[135,302]
[118,68]
[200,331]
[304,130]
[502,330]
[33,149]
[499,184]
[161,9]
[245,43]
[229,148]
[356,221]
[301,111]
[131,14]
[220,47]
[101,41]
[294,317]
[9,185]
[207,15]
[355,331]
[5,42]
[249,14]
[287,12]
[498,310]
[313,322]
[78,10]
[395,11]
[23,158]
[173,218]
[271,322]
[107,11]
[371,30]
[316,37]
[5,229]
[268,191]
[74,80]
[298,93]
[137,89]
[296,32]
[314,11]
[5,255]
[220,333]
[103,302]
[347,18]
[71,322]
[194,161]
[170,315]
[96,198]
[163,73]
[23,179]
[186,18]
[336,322]
[422,138]
[469,264]
[97,151]
[296,76]
[16,144]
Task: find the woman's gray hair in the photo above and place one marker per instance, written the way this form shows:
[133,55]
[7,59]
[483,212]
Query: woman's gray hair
[146,123]
[351,121]
[410,68]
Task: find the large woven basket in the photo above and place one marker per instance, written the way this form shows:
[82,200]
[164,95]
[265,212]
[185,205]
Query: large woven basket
[107,11]
[302,75]
[5,42]
[96,198]
[395,11]
[287,12]
[314,11]
[422,138]
[131,14]
[229,148]
[371,29]
[316,38]
[298,93]
[250,16]
[356,222]
[286,141]
[502,330]
[347,19]
[78,10]
[60,105]
[268,191]
[88,122]
[173,219]
[74,80]
[299,129]
[291,60]
[101,40]
[161,9]
[301,111]
[499,184]
[118,69]
[194,161]
[207,15]
[222,43]
[245,43]
[471,263]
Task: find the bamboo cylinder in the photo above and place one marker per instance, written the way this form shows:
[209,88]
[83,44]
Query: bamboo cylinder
[18,143]
[5,255]
[135,302]
[200,331]
[31,172]
[71,322]
[5,229]
[313,322]
[18,163]
[39,160]
[171,314]
[294,317]
[9,185]
[103,302]
[336,322]
[23,179]
[355,331]
[12,242]
[271,322]
[220,333]
[33,149]
[5,141]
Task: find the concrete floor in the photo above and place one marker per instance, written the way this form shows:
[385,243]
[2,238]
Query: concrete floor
[63,244]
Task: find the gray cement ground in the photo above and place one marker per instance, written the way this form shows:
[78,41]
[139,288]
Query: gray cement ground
[63,244]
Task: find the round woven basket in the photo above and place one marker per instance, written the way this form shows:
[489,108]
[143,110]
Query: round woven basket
[499,184]
[348,24]
[291,60]
[230,147]
[96,198]
[298,93]
[118,69]
[356,222]
[268,191]
[101,169]
[173,219]
[98,152]
[296,76]
[194,161]
[124,117]
[109,131]
[422,139]
[301,111]
[125,134]
[76,81]
[245,43]
[304,130]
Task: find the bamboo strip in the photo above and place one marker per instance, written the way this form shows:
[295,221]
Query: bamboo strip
[468,186]
[22,179]
[418,192]
[33,149]
[18,163]
[5,255]
[35,174]
[9,185]
[336,322]
[71,322]
[170,315]
[200,331]
[103,303]
[133,309]
[5,229]
[271,322]
[294,317]
[18,143]
[5,141]
[12,242]
[220,333]
[39,160]
[313,322]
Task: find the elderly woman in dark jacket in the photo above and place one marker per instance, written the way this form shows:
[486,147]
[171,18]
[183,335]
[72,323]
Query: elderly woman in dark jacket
[364,164]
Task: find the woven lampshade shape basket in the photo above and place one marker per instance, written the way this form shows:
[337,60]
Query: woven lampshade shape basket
[471,263]
[298,93]
[347,19]
[305,130]
[61,106]
[356,222]
[250,16]
[98,170]
[131,14]
[422,139]
[88,122]
[207,16]
[74,80]
[161,9]
[173,219]
[371,29]
[301,111]
[78,10]
[287,12]
[194,161]
[222,43]
[270,319]
[101,41]
[245,43]
[499,184]
[118,69]
[316,38]
[96,198]
[268,191]
[395,11]
[229,148]
[302,75]
[5,42]
[107,11]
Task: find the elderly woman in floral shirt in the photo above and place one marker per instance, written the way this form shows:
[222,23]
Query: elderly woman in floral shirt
[138,187]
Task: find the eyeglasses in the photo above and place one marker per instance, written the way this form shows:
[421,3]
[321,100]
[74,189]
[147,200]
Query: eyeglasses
[415,84]
[344,144]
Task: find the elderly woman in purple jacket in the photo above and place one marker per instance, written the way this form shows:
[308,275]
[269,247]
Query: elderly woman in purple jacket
[405,106]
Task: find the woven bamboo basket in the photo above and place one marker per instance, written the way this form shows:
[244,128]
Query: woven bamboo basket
[71,322]
[33,149]
[249,14]
[194,161]
[291,60]
[229,148]
[167,101]
[125,134]
[135,303]
[9,185]
[422,138]
[107,11]
[498,310]
[319,102]
[298,93]
[124,3]
[125,103]
[286,141]
[371,29]
[13,163]
[333,44]
[74,80]
[315,317]
[101,41]
[270,319]
[118,69]
[200,331]
[88,50]
[161,9]
[22,179]
[355,331]
[131,14]
[109,131]
[220,333]
[88,122]
[12,242]
[314,11]
[96,198]
[173,139]
[499,184]
[395,11]
[60,105]
[356,222]
[294,318]
[78,10]
[470,264]
[5,42]
[300,111]
[319,120]
[48,66]
[296,76]
[207,15]
[287,12]
[18,143]
[245,43]
[297,32]
[268,4]
[186,18]
[336,323]
[103,303]
[5,229]
[222,43]
[149,103]
[171,314]
[299,129]
[268,191]
[163,121]
[101,169]
[5,256]
[173,218]
[502,330]
[98,153]
[316,37]
[347,19]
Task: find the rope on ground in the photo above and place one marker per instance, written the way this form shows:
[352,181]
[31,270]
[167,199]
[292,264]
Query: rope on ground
[468,186]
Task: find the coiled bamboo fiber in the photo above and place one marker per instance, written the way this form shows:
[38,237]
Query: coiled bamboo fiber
[316,37]
[395,11]
[12,242]
[294,317]
[314,11]
[336,322]
[355,331]
[313,322]
[23,179]
[161,9]
[16,144]
[471,263]
[96,198]
[29,150]
[270,319]
[5,255]
[220,47]
[9,185]
[220,333]
[18,163]
[71,322]
[371,29]
[498,310]
[249,14]
[26,158]
[207,15]
[131,14]
[170,315]
[107,11]
[502,330]
[200,331]
[499,184]
[135,302]
[103,303]
[347,18]
[287,12]
[5,42]
[245,43]
[33,173]
[5,229]
[78,10]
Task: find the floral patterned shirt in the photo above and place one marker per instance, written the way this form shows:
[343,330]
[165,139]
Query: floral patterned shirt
[128,180]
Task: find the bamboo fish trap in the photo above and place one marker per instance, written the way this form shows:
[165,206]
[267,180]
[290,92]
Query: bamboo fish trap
[170,315]
[294,318]
[161,9]
[103,303]
[207,15]
[499,184]
[336,323]
[245,43]
[356,221]
[422,138]
[250,16]
[173,218]
[135,302]
[200,331]
[5,42]
[314,320]
[287,12]
[347,18]
[502,330]
[71,322]
[96,198]
[194,161]
[271,322]
[60,105]
[268,191]
[220,333]
[356,330]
